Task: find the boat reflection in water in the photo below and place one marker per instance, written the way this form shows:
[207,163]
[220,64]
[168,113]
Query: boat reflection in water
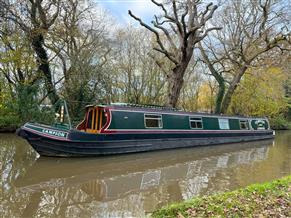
[132,185]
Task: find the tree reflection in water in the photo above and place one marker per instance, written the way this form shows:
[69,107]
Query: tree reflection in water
[15,158]
[128,185]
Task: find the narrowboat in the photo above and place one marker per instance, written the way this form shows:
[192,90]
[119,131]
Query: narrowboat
[127,128]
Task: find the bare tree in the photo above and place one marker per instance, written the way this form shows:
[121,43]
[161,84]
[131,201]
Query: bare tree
[251,30]
[138,79]
[182,25]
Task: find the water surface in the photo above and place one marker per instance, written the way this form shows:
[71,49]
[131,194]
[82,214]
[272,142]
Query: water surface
[130,185]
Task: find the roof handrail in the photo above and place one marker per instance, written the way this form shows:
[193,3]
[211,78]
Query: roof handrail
[143,106]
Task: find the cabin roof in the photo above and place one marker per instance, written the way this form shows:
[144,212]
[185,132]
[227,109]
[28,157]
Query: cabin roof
[164,109]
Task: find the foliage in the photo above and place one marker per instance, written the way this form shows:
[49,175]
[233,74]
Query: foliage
[206,97]
[279,122]
[8,118]
[23,108]
[86,59]
[34,25]
[81,48]
[9,122]
[189,95]
[258,200]
[25,103]
[260,93]
[251,33]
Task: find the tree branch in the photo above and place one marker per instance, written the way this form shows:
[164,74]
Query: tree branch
[162,48]
[157,25]
[160,65]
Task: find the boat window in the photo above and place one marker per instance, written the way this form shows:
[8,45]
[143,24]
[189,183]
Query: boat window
[244,124]
[196,122]
[153,121]
[223,123]
[260,124]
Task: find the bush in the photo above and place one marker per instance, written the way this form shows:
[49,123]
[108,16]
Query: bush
[279,123]
[9,122]
[23,107]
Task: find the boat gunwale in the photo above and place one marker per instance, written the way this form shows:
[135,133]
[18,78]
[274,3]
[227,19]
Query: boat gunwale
[144,131]
[44,135]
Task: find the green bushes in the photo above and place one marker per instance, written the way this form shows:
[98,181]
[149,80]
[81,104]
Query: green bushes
[22,107]
[279,123]
[9,123]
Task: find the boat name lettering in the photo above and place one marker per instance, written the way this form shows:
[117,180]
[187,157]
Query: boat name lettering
[53,132]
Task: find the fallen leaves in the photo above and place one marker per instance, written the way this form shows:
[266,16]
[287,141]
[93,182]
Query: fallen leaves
[260,200]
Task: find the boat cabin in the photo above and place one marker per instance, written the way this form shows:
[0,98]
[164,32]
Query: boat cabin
[94,120]
[128,118]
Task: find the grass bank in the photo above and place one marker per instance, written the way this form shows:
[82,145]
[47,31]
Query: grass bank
[271,199]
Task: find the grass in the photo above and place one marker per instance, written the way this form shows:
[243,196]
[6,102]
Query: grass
[271,199]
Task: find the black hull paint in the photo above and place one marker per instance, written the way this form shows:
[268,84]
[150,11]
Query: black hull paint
[131,143]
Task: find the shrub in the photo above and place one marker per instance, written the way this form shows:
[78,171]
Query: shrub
[279,122]
[9,121]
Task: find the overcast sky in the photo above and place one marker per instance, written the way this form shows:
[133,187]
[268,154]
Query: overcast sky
[119,9]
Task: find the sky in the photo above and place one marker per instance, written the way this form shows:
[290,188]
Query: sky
[144,9]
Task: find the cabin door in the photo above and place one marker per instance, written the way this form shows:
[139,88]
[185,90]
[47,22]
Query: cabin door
[94,120]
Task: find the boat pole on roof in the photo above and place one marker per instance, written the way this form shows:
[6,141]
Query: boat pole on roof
[67,112]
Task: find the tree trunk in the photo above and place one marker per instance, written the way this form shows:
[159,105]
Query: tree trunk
[175,85]
[176,82]
[43,66]
[228,95]
[219,97]
[218,77]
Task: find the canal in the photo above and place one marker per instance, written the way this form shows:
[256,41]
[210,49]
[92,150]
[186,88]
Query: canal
[130,185]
